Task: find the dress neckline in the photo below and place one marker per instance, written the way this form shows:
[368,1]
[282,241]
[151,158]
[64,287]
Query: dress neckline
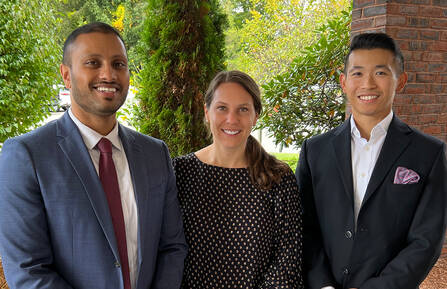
[213,166]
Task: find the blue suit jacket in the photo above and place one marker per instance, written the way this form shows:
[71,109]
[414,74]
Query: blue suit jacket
[55,226]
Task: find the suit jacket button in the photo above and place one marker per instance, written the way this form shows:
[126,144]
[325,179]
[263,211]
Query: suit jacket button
[348,234]
[117,264]
[345,271]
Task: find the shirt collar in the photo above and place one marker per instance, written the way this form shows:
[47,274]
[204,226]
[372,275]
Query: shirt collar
[92,137]
[379,129]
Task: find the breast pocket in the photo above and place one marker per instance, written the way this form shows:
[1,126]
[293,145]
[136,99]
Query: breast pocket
[405,199]
[405,194]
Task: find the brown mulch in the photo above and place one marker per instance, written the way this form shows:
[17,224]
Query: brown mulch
[437,279]
[2,278]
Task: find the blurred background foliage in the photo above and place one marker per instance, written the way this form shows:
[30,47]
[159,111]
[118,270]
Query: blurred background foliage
[28,64]
[265,36]
[127,16]
[175,47]
[182,48]
[307,99]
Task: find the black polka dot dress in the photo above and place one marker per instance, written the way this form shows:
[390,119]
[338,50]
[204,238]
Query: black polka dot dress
[238,236]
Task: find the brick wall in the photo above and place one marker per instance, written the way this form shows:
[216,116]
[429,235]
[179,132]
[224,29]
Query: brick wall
[420,28]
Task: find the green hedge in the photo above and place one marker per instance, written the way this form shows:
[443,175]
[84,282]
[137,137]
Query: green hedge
[289,158]
[182,48]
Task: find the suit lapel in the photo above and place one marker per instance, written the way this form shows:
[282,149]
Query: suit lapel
[396,141]
[342,146]
[77,154]
[133,154]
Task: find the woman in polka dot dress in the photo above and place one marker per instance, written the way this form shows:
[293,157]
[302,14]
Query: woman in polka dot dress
[240,205]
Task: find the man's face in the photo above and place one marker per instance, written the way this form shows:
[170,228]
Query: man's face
[98,76]
[370,83]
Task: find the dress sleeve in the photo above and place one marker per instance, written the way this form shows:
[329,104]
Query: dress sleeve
[285,270]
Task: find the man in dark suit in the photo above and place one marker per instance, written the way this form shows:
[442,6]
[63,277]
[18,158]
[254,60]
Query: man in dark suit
[374,189]
[84,201]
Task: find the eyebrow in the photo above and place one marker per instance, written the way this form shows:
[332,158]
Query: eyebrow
[361,67]
[221,102]
[101,56]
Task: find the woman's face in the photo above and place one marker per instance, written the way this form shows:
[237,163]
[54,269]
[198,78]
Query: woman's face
[231,116]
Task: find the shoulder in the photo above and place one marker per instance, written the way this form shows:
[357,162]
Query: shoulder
[324,138]
[289,177]
[425,149]
[287,190]
[31,149]
[181,162]
[425,139]
[322,144]
[39,138]
[140,138]
[288,180]
[418,138]
[150,146]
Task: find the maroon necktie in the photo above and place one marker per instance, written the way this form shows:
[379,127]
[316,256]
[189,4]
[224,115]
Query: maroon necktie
[109,180]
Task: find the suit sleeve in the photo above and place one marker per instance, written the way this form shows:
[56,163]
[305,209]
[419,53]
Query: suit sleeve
[425,237]
[25,244]
[285,269]
[317,272]
[172,247]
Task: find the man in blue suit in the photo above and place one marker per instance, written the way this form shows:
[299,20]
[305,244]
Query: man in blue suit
[84,201]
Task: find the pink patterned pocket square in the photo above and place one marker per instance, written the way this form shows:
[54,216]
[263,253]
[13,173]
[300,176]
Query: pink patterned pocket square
[405,176]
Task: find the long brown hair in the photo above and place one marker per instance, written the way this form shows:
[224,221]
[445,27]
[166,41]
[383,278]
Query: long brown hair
[263,168]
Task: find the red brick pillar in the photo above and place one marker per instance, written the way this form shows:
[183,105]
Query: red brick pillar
[420,28]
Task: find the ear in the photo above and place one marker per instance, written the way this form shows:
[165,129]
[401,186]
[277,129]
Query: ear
[342,80]
[206,113]
[401,81]
[256,119]
[65,73]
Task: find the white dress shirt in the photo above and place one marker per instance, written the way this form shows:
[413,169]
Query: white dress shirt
[128,202]
[364,154]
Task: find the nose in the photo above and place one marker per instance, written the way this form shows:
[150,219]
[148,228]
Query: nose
[107,73]
[369,81]
[232,117]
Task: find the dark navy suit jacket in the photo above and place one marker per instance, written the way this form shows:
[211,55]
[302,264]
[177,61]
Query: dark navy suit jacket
[55,226]
[400,227]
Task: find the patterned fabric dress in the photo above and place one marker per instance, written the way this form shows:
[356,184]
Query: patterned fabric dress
[238,236]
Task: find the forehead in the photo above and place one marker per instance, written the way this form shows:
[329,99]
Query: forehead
[97,43]
[362,58]
[231,92]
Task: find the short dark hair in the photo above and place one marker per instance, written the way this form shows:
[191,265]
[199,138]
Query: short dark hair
[376,40]
[85,29]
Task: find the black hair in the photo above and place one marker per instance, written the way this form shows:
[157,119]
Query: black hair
[373,41]
[85,29]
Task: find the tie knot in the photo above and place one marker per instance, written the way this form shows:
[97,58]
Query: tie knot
[104,145]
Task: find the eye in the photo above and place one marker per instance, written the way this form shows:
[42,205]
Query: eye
[221,108]
[356,73]
[244,109]
[120,65]
[92,62]
[381,73]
